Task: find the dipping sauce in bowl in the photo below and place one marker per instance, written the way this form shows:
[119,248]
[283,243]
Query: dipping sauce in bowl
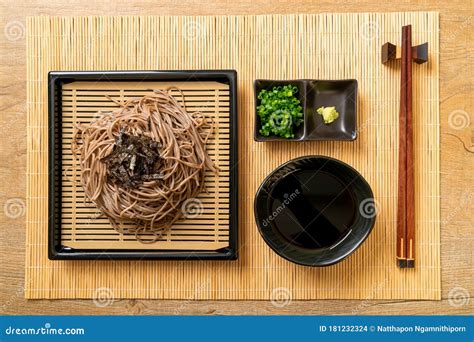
[310,210]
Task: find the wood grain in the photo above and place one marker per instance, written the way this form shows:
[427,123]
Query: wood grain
[410,162]
[457,178]
[402,158]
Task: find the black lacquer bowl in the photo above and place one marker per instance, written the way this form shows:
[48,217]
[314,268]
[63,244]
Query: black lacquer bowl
[314,210]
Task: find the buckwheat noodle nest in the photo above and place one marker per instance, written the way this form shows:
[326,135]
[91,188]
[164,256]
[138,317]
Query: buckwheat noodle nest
[181,137]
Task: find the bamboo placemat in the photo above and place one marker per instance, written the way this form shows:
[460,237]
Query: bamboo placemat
[325,46]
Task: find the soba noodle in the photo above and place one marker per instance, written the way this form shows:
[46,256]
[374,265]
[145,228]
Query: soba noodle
[154,205]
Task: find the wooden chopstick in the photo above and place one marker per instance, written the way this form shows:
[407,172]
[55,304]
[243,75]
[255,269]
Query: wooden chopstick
[406,195]
[410,180]
[402,158]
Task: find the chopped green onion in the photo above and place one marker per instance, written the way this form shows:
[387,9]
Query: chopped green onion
[279,111]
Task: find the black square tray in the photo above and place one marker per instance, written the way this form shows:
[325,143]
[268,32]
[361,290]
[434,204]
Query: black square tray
[57,79]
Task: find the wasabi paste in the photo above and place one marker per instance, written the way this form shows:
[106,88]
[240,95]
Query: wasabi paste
[329,114]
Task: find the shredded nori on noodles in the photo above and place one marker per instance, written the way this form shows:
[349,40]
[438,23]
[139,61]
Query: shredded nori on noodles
[133,160]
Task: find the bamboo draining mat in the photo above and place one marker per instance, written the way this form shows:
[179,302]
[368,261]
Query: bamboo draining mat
[325,46]
[207,224]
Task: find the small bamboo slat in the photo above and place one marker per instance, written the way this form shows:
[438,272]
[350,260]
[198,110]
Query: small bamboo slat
[324,46]
[207,228]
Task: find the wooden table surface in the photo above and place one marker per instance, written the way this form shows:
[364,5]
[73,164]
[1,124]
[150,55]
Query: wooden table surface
[457,161]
